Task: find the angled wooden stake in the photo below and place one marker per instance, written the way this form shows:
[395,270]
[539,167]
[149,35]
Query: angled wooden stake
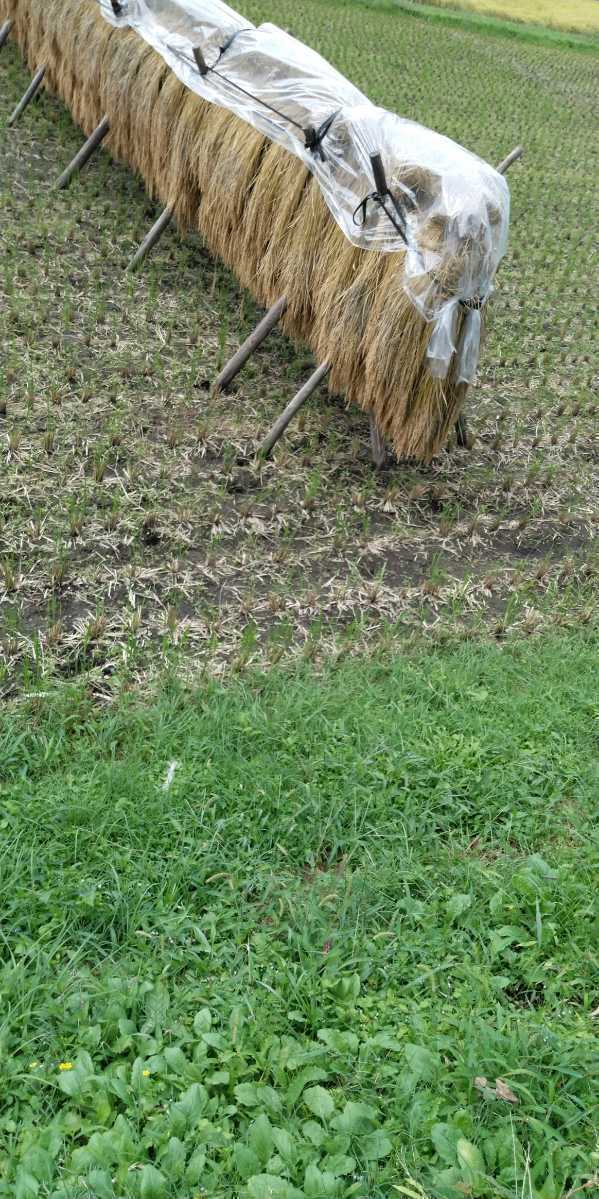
[84,154]
[4,32]
[509,159]
[27,96]
[378,444]
[152,237]
[293,406]
[461,432]
[251,343]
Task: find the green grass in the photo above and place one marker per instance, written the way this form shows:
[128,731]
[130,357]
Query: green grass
[279,928]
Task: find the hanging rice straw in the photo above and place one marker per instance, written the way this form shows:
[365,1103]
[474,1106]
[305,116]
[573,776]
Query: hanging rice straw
[383,236]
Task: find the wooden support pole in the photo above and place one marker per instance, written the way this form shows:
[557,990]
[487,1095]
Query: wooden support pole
[245,351]
[293,406]
[4,32]
[461,432]
[152,237]
[85,153]
[378,445]
[27,97]
[507,162]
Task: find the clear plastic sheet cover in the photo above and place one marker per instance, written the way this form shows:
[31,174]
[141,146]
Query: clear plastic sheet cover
[453,207]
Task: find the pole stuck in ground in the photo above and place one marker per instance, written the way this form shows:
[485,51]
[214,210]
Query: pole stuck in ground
[293,406]
[84,154]
[152,237]
[4,32]
[461,432]
[250,344]
[27,97]
[378,445]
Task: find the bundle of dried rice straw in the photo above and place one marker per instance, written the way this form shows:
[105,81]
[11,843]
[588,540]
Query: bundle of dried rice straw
[264,148]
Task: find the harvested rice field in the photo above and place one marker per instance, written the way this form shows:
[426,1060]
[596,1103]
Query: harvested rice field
[138,526]
[581,16]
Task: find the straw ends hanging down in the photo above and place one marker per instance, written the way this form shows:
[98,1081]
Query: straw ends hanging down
[379,449]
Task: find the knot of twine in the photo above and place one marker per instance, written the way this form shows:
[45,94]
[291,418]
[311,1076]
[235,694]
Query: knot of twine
[313,137]
[396,215]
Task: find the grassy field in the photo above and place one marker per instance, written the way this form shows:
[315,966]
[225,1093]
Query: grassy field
[579,15]
[137,523]
[326,927]
[295,938]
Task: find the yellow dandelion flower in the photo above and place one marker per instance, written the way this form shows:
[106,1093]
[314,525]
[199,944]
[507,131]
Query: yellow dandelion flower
[65,1065]
[145,1073]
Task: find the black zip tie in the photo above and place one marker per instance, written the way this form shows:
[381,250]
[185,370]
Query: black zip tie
[231,39]
[117,8]
[313,137]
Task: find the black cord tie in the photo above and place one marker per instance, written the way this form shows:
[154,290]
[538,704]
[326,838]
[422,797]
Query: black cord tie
[395,214]
[231,39]
[313,137]
[383,196]
[362,208]
[117,8]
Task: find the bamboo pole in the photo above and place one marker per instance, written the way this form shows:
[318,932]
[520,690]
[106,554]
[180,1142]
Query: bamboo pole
[461,431]
[251,343]
[4,32]
[293,406]
[152,237]
[378,445]
[84,154]
[509,159]
[27,96]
